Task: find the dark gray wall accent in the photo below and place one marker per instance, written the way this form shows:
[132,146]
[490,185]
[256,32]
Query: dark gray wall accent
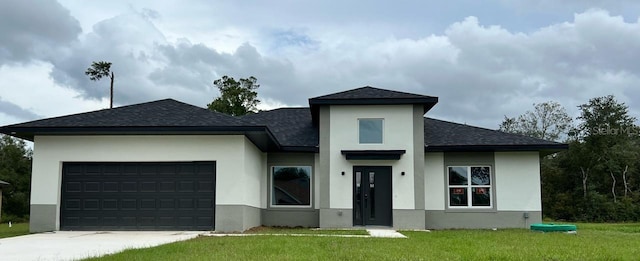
[441,219]
[236,218]
[418,156]
[336,217]
[42,218]
[290,159]
[291,217]
[408,219]
[325,159]
[470,159]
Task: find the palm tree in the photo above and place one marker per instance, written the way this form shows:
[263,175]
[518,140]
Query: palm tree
[99,70]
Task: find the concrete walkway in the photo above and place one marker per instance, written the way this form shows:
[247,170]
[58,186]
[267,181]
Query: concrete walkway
[373,232]
[382,232]
[73,245]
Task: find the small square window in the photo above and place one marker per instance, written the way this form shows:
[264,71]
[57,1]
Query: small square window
[370,131]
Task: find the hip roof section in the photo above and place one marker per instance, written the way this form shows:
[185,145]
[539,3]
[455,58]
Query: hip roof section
[284,129]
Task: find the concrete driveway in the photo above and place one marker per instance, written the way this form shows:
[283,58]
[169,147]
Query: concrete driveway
[73,245]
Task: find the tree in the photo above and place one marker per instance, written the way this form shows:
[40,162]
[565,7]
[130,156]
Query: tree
[598,177]
[97,70]
[598,180]
[15,168]
[236,98]
[607,130]
[548,121]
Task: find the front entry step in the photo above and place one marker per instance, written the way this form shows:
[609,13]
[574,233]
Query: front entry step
[388,233]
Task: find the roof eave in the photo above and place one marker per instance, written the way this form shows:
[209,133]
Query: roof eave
[259,135]
[543,148]
[315,103]
[308,149]
[374,101]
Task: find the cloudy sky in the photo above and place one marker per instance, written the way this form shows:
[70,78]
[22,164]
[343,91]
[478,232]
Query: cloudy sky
[483,59]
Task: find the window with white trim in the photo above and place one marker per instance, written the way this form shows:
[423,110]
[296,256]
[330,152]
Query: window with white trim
[370,131]
[469,187]
[291,186]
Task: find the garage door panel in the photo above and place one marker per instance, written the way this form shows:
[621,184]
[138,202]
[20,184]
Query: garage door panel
[147,186]
[110,204]
[91,186]
[128,196]
[110,186]
[206,186]
[73,187]
[167,186]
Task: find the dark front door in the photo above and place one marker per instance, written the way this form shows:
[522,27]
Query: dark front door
[372,195]
[138,196]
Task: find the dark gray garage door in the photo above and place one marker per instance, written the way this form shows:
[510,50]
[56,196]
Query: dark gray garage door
[138,196]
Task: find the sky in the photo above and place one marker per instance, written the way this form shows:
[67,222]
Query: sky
[484,59]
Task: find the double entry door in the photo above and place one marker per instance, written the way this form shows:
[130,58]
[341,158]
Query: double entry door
[372,196]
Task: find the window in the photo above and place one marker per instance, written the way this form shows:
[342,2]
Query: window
[470,186]
[291,186]
[370,131]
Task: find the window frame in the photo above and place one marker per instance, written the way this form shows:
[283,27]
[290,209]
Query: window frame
[469,186]
[271,186]
[381,130]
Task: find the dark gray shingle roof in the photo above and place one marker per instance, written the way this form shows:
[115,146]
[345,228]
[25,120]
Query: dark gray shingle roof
[369,96]
[369,92]
[443,135]
[161,113]
[286,129]
[292,127]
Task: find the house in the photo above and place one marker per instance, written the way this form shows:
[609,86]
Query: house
[362,157]
[2,184]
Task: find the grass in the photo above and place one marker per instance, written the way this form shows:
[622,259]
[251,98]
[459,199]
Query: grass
[593,242]
[18,229]
[304,231]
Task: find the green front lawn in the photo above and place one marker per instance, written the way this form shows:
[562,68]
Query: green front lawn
[593,242]
[18,229]
[302,231]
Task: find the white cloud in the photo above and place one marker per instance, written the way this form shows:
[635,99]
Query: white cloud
[28,33]
[30,88]
[480,72]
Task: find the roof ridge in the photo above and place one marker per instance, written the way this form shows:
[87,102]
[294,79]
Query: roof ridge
[400,92]
[143,104]
[206,109]
[335,93]
[284,108]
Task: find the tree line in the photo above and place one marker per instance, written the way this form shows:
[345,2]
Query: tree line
[598,177]
[15,168]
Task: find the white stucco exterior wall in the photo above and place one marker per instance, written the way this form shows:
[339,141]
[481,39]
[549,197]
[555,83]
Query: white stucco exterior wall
[240,167]
[434,181]
[255,170]
[518,181]
[397,135]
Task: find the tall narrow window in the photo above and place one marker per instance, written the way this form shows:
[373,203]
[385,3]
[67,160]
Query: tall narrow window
[370,131]
[469,186]
[291,186]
